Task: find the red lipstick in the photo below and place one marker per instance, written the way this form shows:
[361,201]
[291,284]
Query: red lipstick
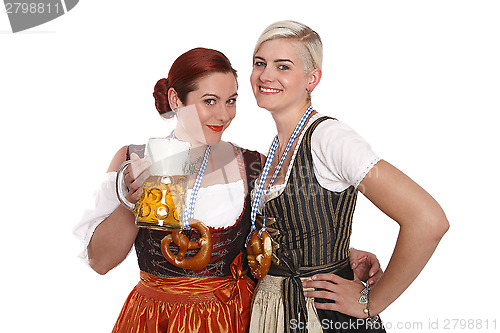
[216,128]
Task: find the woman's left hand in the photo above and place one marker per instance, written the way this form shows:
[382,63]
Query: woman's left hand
[345,293]
[365,266]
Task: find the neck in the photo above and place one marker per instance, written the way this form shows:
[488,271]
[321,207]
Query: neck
[182,135]
[286,121]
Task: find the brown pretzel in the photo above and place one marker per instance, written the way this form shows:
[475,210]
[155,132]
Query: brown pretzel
[259,253]
[201,259]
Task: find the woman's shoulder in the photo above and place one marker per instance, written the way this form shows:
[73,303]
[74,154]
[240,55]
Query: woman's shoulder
[124,153]
[329,130]
[340,154]
[252,158]
[330,124]
[244,150]
[117,160]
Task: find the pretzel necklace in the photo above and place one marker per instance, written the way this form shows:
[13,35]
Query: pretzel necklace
[259,253]
[204,244]
[201,259]
[259,247]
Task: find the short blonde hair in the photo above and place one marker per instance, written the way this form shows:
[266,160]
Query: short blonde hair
[312,50]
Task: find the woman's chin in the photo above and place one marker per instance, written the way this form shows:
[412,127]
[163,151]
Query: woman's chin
[265,105]
[213,139]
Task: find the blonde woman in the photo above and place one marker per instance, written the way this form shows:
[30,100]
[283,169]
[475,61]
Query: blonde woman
[321,164]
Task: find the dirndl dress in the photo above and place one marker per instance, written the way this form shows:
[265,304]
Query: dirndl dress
[310,227]
[214,299]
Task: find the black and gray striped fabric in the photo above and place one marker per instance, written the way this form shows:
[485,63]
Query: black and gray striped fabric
[310,227]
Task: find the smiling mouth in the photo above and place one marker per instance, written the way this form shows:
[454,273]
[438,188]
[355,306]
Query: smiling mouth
[216,128]
[267,90]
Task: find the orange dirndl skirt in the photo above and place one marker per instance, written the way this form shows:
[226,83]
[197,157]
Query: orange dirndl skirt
[206,304]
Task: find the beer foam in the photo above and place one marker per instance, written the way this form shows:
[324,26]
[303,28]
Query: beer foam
[168,156]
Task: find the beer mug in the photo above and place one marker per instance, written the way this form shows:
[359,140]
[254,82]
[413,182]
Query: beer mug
[162,203]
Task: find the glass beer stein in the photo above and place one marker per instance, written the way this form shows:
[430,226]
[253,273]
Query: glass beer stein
[162,203]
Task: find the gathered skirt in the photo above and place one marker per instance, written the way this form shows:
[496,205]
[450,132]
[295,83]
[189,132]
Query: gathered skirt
[268,314]
[206,304]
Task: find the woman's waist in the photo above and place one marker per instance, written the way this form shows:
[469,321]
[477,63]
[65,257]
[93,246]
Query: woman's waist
[309,255]
[187,285]
[194,289]
[286,268]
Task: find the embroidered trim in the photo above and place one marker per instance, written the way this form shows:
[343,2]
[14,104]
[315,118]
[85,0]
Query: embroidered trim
[365,172]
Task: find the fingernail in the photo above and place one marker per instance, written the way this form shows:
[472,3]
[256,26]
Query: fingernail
[314,277]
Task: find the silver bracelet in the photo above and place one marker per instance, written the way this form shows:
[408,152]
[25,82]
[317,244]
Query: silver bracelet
[365,299]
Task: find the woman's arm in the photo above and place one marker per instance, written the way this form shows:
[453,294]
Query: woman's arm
[422,225]
[114,237]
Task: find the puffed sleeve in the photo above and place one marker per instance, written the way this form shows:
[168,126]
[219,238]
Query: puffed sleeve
[105,202]
[341,157]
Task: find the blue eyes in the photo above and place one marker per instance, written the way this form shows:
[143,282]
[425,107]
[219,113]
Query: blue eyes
[263,64]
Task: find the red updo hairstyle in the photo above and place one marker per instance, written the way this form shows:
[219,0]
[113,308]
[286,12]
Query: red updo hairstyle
[184,74]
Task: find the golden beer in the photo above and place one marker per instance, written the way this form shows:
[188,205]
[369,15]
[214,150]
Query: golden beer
[161,205]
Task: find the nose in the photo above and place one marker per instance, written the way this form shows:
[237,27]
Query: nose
[223,113]
[266,74]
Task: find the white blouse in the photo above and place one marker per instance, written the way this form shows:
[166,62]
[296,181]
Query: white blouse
[341,157]
[208,207]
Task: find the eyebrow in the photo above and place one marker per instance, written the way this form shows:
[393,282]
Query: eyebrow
[277,60]
[210,95]
[216,96]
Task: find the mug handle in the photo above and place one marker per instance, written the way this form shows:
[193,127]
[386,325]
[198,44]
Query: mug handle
[119,186]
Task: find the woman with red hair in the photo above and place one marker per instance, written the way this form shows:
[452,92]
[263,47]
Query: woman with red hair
[201,91]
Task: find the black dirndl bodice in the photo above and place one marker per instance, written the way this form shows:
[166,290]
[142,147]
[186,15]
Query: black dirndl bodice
[311,228]
[227,242]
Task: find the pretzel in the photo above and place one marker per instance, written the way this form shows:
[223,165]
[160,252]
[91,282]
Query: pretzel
[201,259]
[259,253]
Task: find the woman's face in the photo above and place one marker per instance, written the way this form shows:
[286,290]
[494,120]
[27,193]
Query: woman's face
[208,110]
[278,78]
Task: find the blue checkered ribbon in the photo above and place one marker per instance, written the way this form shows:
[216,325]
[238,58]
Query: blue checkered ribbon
[267,166]
[189,212]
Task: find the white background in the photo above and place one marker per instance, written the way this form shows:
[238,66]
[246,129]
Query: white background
[420,80]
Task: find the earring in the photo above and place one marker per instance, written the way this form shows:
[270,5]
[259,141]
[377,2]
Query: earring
[308,95]
[175,110]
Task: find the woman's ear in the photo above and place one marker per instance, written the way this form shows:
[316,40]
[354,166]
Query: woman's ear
[313,77]
[173,99]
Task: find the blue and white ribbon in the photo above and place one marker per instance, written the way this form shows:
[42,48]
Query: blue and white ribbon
[267,166]
[189,212]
